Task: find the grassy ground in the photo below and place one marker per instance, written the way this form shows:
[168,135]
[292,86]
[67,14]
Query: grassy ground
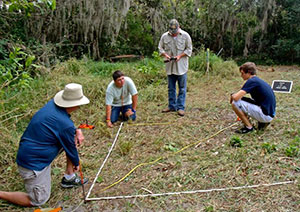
[268,157]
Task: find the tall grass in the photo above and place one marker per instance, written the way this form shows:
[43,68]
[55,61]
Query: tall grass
[216,65]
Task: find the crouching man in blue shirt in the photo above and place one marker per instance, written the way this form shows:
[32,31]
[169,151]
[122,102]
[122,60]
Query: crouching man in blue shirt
[260,107]
[49,132]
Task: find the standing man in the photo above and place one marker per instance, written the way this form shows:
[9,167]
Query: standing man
[260,107]
[176,46]
[121,96]
[49,132]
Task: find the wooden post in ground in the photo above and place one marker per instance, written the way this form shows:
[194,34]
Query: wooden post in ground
[207,61]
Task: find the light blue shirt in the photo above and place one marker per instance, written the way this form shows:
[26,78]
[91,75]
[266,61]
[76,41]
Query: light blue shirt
[120,96]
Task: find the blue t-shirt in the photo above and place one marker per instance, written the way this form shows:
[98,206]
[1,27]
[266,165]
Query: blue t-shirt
[49,130]
[262,94]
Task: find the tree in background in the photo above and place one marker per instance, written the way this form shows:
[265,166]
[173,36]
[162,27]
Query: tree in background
[103,28]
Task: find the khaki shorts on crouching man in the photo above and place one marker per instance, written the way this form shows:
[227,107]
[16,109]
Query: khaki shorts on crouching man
[37,184]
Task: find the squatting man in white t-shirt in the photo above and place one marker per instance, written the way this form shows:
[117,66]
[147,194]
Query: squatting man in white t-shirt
[121,96]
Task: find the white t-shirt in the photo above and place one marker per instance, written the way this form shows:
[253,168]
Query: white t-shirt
[114,95]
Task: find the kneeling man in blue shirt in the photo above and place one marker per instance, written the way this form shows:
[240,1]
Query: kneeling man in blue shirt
[49,132]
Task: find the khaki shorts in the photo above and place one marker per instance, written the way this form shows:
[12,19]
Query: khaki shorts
[37,184]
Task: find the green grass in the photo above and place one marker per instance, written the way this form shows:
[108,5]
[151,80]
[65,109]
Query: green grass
[214,163]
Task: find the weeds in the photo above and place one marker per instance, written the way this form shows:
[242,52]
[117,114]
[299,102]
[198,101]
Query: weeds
[171,147]
[236,141]
[269,148]
[217,67]
[125,147]
[293,149]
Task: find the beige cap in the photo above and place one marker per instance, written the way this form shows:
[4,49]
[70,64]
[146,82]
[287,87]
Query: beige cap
[71,96]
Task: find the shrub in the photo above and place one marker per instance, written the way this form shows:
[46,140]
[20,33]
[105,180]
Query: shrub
[17,69]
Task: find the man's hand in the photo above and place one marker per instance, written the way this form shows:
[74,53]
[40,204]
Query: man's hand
[129,112]
[178,57]
[167,56]
[79,137]
[237,96]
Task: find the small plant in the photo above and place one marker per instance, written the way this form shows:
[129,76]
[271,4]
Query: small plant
[156,56]
[125,147]
[293,150]
[236,141]
[150,66]
[99,179]
[171,147]
[269,148]
[209,209]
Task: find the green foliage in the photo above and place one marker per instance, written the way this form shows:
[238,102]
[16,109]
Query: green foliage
[151,66]
[286,50]
[198,62]
[104,68]
[260,59]
[209,209]
[16,69]
[29,7]
[269,148]
[293,149]
[72,67]
[100,179]
[3,50]
[171,147]
[217,66]
[225,69]
[236,141]
[136,36]
[211,24]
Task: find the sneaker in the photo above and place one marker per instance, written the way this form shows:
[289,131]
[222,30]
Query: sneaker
[180,112]
[167,110]
[262,126]
[244,130]
[75,181]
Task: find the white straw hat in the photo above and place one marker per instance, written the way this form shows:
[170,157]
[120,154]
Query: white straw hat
[71,96]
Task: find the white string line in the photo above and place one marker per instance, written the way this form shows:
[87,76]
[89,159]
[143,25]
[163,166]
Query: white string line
[107,156]
[189,192]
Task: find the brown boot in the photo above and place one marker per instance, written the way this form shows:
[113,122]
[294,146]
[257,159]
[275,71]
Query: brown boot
[167,110]
[180,112]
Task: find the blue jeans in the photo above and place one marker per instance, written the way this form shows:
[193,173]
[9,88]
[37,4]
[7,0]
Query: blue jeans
[115,113]
[179,102]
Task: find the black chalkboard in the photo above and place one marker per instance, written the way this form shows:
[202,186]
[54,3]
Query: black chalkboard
[282,86]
